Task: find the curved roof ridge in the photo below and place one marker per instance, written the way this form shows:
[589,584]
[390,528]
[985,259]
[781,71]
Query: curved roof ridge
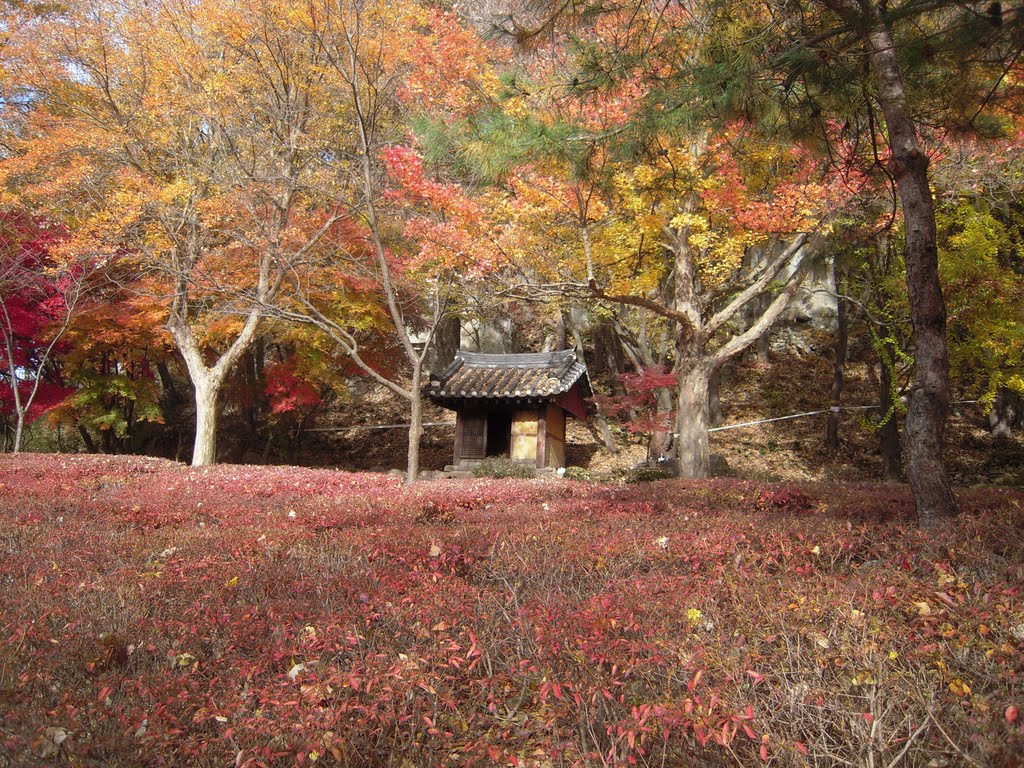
[516,359]
[488,376]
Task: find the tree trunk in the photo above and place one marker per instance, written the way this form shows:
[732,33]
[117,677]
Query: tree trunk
[838,372]
[250,405]
[19,427]
[561,340]
[691,448]
[660,442]
[759,350]
[889,431]
[90,446]
[606,434]
[577,343]
[929,394]
[204,450]
[412,467]
[1005,412]
[166,380]
[609,354]
[715,416]
[447,339]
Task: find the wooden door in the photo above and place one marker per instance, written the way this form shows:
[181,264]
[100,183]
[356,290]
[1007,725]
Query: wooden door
[524,436]
[471,442]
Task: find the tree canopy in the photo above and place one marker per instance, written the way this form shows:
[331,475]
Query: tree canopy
[264,193]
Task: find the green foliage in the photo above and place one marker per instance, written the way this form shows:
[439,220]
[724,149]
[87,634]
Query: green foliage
[109,399]
[647,473]
[980,253]
[491,145]
[578,473]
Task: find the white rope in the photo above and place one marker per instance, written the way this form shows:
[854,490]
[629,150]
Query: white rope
[765,421]
[380,426]
[832,409]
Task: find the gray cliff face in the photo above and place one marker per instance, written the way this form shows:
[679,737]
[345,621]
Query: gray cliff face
[812,317]
[815,302]
[814,305]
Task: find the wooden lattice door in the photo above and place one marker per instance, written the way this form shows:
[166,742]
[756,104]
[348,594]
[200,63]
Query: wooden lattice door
[474,437]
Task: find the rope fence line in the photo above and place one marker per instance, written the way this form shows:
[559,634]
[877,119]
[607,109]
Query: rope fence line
[784,418]
[380,426]
[832,409]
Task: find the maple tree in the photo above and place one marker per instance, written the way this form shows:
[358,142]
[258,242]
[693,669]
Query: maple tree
[190,139]
[112,353]
[39,295]
[640,403]
[406,237]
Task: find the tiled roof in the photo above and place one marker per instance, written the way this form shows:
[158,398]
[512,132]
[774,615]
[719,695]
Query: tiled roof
[535,376]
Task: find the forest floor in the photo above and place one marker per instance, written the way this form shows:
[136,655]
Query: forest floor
[788,450]
[154,614]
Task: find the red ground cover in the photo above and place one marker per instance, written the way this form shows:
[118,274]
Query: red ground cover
[152,614]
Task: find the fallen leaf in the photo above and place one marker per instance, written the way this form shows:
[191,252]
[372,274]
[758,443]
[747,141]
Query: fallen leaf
[959,688]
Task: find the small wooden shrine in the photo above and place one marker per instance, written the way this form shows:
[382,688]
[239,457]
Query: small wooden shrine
[511,405]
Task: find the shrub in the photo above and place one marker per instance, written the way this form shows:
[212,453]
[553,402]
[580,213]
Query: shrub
[503,467]
[578,473]
[646,473]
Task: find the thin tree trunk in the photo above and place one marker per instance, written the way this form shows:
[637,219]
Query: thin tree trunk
[166,380]
[660,442]
[759,350]
[19,427]
[447,340]
[90,446]
[412,470]
[838,371]
[928,409]
[889,431]
[561,337]
[606,432]
[692,452]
